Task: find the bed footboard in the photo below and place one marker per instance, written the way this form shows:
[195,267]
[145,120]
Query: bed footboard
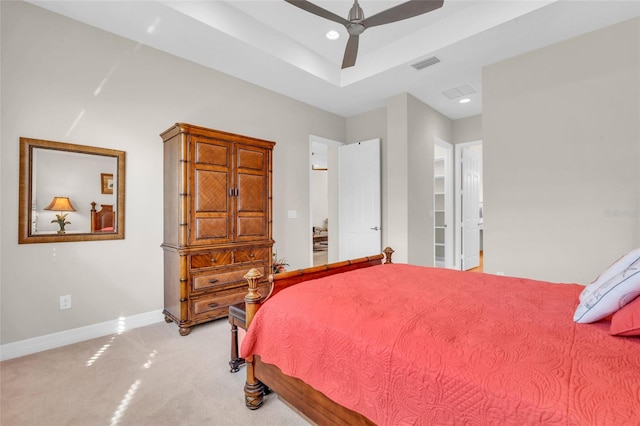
[261,376]
[310,403]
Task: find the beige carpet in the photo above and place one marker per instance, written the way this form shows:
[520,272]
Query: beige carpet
[146,376]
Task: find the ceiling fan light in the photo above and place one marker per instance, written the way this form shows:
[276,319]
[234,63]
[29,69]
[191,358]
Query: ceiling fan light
[333,35]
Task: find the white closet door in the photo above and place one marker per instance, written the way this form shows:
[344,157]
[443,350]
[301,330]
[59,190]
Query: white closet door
[359,199]
[470,209]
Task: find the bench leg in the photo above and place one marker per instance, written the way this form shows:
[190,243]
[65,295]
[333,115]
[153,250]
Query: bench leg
[236,361]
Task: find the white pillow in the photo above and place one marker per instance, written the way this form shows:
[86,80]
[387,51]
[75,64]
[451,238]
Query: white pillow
[610,296]
[614,269]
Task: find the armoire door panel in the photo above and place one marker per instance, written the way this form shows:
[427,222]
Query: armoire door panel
[212,228]
[211,191]
[251,190]
[250,227]
[208,152]
[251,158]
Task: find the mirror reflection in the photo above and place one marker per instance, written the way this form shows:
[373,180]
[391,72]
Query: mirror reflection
[71,181]
[70,192]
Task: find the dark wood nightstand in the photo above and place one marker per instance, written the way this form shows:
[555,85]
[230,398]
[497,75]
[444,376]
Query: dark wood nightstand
[237,318]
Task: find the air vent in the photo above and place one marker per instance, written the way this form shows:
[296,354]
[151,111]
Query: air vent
[426,63]
[456,92]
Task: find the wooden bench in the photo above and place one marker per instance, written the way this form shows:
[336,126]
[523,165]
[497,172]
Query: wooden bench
[237,318]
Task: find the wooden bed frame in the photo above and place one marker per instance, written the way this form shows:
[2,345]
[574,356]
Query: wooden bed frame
[104,218]
[262,378]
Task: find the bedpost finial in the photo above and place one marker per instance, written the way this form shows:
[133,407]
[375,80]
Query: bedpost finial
[388,252]
[252,277]
[253,297]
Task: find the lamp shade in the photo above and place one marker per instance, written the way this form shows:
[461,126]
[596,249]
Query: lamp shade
[61,204]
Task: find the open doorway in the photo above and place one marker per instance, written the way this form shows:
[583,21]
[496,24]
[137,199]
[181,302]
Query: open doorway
[323,200]
[319,204]
[469,201]
[443,204]
[345,207]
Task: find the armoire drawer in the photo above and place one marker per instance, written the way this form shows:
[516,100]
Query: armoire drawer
[216,306]
[223,279]
[210,259]
[251,255]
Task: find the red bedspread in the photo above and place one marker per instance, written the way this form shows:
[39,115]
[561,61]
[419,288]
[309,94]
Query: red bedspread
[404,344]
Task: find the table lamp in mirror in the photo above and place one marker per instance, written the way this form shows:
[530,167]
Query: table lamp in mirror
[61,204]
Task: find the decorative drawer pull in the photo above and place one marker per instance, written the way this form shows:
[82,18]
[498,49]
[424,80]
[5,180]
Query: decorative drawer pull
[213,260]
[213,305]
[213,280]
[251,255]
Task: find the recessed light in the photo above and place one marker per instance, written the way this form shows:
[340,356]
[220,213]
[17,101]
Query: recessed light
[464,100]
[333,35]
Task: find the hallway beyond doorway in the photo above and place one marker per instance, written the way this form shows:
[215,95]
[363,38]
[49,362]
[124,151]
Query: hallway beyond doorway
[479,267]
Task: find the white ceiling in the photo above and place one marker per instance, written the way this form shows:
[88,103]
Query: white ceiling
[283,48]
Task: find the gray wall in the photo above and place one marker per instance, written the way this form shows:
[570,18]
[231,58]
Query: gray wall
[395,215]
[412,127]
[425,125]
[51,68]
[467,129]
[561,152]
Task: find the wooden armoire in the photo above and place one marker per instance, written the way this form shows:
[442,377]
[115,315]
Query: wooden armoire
[217,220]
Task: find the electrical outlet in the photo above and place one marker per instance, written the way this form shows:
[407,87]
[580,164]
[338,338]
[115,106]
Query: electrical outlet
[65,302]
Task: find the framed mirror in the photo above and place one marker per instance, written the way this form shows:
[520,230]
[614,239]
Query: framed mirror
[70,192]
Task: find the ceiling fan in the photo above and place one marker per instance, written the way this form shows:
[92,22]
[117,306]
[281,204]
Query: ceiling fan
[356,23]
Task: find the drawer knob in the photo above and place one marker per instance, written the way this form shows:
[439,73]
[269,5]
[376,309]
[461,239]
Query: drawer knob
[213,260]
[251,255]
[213,305]
[213,280]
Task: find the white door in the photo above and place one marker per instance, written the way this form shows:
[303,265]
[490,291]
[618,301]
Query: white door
[470,169]
[359,199]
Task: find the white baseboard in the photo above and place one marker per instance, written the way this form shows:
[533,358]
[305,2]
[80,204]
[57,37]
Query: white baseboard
[80,334]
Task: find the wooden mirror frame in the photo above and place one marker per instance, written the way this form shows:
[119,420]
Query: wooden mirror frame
[25,236]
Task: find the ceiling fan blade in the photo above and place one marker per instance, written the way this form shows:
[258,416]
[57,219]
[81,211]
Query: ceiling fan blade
[351,52]
[402,11]
[317,10]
